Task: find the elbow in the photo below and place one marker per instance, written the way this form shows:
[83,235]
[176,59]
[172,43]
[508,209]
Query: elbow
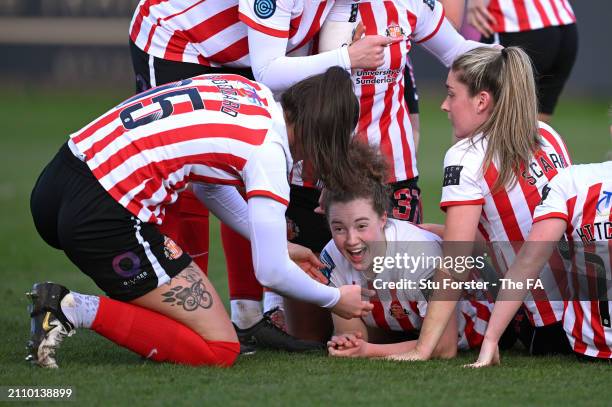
[269,275]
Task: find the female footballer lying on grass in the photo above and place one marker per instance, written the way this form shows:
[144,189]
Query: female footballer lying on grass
[577,208]
[101,197]
[362,232]
[494,177]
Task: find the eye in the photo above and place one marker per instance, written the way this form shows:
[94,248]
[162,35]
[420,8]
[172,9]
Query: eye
[337,229]
[362,226]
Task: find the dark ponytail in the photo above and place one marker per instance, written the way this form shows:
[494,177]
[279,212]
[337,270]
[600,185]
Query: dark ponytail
[324,111]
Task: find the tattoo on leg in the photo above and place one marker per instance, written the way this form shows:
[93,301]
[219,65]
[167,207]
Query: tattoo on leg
[193,295]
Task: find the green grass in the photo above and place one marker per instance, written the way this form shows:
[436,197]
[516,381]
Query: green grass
[34,124]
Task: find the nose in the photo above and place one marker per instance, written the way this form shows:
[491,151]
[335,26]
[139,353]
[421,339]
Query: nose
[351,238]
[444,105]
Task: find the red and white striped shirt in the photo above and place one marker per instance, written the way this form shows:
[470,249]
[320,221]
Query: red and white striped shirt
[219,129]
[582,196]
[296,20]
[405,309]
[526,15]
[196,31]
[384,120]
[507,214]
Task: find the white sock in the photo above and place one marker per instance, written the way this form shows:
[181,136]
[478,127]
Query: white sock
[272,300]
[245,313]
[80,309]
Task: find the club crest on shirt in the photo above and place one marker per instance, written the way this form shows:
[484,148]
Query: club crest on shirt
[430,3]
[264,8]
[397,311]
[604,204]
[452,175]
[394,31]
[172,251]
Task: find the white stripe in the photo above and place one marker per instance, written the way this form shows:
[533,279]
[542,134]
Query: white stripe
[152,79]
[162,276]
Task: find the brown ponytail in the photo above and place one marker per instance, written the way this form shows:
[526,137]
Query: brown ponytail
[324,111]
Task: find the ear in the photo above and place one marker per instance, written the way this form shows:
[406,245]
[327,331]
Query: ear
[384,219]
[484,102]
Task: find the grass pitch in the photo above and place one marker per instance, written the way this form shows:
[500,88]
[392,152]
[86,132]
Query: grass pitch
[34,125]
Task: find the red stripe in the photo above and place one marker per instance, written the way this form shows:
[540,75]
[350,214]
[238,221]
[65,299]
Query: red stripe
[386,144]
[504,207]
[314,28]
[401,122]
[262,28]
[404,322]
[412,20]
[171,16]
[294,25]
[446,204]
[232,52]
[579,345]
[170,137]
[366,98]
[470,332]
[266,194]
[599,336]
[150,37]
[176,46]
[435,30]
[571,205]
[378,313]
[521,15]
[542,13]
[212,25]
[495,10]
[556,215]
[159,172]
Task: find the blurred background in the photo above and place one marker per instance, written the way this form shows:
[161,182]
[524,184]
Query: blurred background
[83,44]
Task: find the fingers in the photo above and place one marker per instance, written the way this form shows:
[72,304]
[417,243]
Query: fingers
[367,293]
[319,209]
[359,31]
[314,261]
[482,20]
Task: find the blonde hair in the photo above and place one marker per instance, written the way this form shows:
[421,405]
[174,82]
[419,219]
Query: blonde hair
[512,129]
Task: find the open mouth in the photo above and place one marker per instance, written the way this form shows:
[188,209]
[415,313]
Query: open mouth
[356,255]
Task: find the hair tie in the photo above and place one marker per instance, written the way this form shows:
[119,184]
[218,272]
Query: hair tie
[504,53]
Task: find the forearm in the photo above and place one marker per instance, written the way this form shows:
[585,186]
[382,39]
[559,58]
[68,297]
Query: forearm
[273,267]
[375,350]
[277,71]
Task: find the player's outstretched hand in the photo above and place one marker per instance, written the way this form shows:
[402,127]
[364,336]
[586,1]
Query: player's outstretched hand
[479,17]
[306,259]
[489,355]
[349,345]
[351,304]
[368,52]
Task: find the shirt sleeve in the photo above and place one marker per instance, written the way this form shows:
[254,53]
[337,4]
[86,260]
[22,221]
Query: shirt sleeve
[429,18]
[554,202]
[333,266]
[460,184]
[272,17]
[265,173]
